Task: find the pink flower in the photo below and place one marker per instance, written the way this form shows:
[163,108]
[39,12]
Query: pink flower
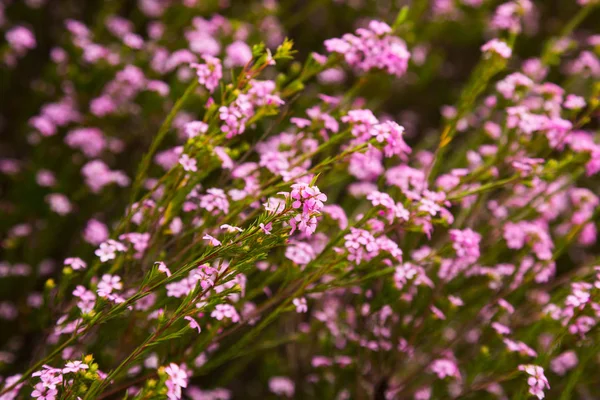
[87,299]
[95,232]
[537,381]
[90,141]
[195,128]
[501,329]
[162,267]
[231,229]
[497,46]
[107,250]
[42,392]
[519,347]
[188,164]
[75,263]
[211,240]
[97,175]
[177,379]
[108,284]
[45,178]
[266,228]
[193,323]
[59,203]
[300,304]
[444,367]
[361,245]
[299,252]
[281,386]
[222,311]
[210,73]
[74,367]
[437,312]
[466,244]
[21,39]
[564,362]
[238,54]
[372,48]
[574,102]
[215,201]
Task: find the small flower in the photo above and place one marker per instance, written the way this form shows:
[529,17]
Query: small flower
[537,381]
[42,392]
[266,228]
[178,378]
[501,329]
[372,48]
[519,347]
[108,284]
[105,252]
[564,362]
[222,311]
[195,128]
[437,312]
[188,164]
[497,46]
[59,203]
[211,240]
[75,263]
[444,367]
[282,386]
[270,60]
[456,301]
[162,267]
[74,367]
[300,304]
[210,73]
[193,323]
[574,102]
[231,229]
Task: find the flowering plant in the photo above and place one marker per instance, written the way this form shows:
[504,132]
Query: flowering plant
[212,200]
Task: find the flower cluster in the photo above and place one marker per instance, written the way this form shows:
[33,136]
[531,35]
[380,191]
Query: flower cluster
[308,200]
[374,47]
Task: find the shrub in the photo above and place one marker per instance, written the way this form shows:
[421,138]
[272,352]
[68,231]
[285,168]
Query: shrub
[195,206]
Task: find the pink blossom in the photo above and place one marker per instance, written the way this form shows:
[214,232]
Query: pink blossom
[564,362]
[537,381]
[95,232]
[45,178]
[299,252]
[177,379]
[238,54]
[300,304]
[59,203]
[223,311]
[282,386]
[444,367]
[211,240]
[162,267]
[74,367]
[210,73]
[266,228]
[108,284]
[21,39]
[497,46]
[215,201]
[195,128]
[188,163]
[75,263]
[231,229]
[372,48]
[193,323]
